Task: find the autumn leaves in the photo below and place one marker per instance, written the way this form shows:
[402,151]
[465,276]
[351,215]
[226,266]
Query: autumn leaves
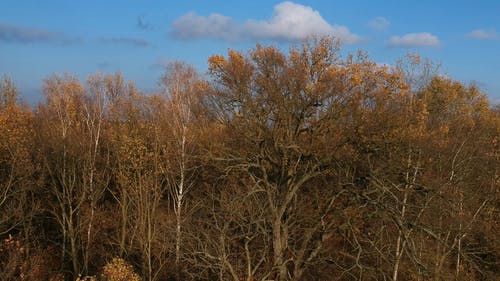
[296,165]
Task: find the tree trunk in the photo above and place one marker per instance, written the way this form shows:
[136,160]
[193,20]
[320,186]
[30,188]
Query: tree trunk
[278,247]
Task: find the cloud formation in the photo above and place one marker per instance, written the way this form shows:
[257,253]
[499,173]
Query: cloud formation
[215,26]
[135,42]
[484,34]
[292,21]
[17,34]
[379,23]
[423,39]
[289,22]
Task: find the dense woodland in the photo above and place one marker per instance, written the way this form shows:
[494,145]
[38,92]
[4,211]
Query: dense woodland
[275,165]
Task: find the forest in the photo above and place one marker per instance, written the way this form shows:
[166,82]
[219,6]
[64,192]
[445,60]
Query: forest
[302,164]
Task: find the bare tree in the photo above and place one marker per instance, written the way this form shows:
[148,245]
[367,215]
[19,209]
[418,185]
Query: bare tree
[60,129]
[182,86]
[280,112]
[95,105]
[8,92]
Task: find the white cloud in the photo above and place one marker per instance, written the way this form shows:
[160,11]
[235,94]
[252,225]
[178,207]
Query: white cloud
[292,21]
[484,34]
[423,39]
[289,22]
[215,26]
[379,23]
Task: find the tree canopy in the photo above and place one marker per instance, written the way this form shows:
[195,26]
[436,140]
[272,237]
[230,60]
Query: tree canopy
[278,165]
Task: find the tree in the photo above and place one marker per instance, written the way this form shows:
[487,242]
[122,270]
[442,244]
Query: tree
[8,92]
[281,165]
[288,119]
[124,116]
[59,130]
[141,182]
[95,177]
[463,129]
[17,207]
[182,87]
[16,167]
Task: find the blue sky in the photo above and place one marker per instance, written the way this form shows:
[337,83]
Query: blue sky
[138,37]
